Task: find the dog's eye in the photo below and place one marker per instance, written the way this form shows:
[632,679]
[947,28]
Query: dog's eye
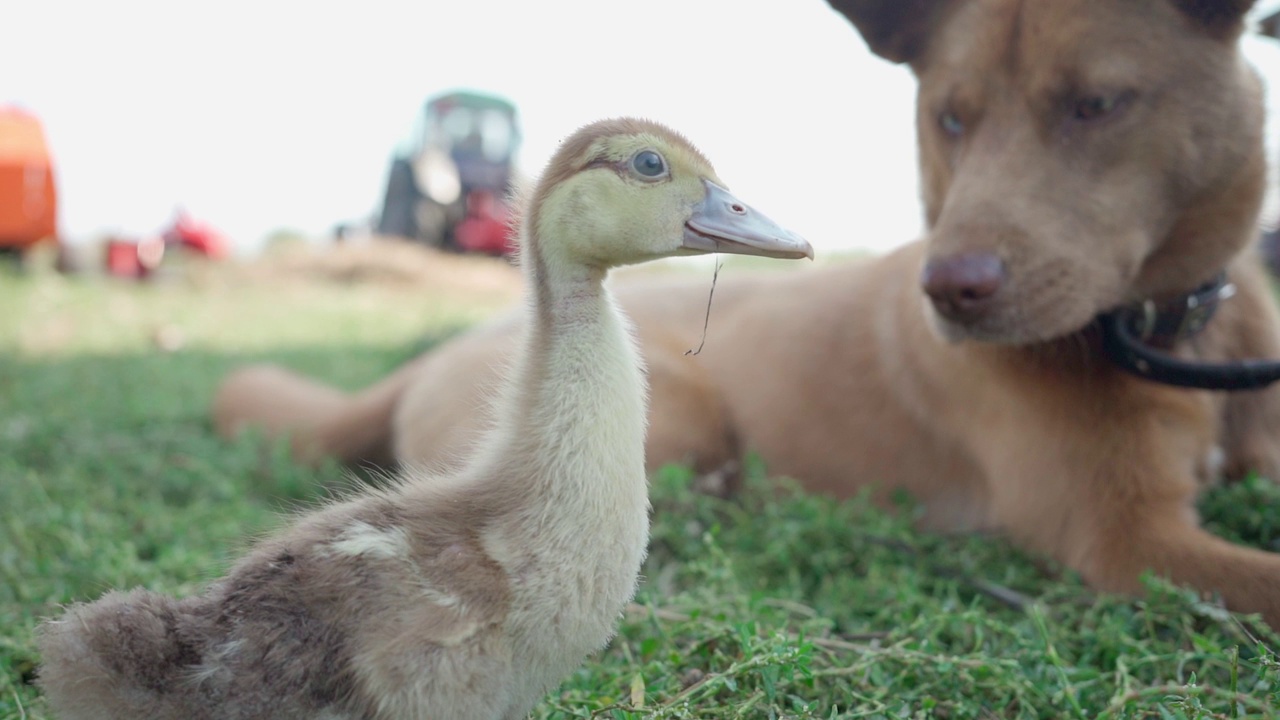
[950,124]
[1097,107]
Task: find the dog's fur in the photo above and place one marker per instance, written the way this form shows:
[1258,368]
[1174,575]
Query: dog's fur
[847,376]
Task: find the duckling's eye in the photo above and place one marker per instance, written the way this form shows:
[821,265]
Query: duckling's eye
[649,164]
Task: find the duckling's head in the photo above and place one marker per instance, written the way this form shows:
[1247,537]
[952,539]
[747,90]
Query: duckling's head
[625,190]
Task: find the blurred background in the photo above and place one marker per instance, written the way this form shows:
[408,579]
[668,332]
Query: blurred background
[225,125]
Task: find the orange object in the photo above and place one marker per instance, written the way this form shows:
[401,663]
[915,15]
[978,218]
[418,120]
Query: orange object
[28,200]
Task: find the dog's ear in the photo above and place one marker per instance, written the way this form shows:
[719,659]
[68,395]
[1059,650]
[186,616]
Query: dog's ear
[896,30]
[1219,16]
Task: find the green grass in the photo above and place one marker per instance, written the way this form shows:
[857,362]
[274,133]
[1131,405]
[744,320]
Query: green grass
[775,604]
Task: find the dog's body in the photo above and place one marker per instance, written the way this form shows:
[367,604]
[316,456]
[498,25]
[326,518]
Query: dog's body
[1077,155]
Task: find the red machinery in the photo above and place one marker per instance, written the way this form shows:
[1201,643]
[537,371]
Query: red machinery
[28,199]
[139,258]
[487,226]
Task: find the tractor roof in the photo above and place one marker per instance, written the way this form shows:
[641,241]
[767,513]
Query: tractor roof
[471,99]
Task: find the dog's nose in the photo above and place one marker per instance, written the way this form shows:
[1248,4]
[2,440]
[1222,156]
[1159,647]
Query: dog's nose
[962,286]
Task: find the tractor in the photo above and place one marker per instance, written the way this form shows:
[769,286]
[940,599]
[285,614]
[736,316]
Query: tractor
[448,185]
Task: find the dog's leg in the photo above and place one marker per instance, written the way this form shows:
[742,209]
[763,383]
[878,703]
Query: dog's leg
[688,421]
[1250,329]
[1108,489]
[1165,538]
[1251,434]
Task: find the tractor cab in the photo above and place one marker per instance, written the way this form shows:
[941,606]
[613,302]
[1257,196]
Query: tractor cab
[448,184]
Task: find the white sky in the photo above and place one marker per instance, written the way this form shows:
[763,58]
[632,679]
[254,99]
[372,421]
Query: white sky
[258,115]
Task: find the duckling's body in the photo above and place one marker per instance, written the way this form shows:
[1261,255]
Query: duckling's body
[465,596]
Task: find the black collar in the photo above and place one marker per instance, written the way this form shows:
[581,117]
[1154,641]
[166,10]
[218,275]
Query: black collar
[1137,339]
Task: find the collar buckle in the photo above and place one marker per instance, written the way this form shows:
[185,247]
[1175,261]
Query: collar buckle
[1167,323]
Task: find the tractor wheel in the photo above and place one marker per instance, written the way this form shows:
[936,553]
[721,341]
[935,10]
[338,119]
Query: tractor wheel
[399,207]
[434,224]
[12,257]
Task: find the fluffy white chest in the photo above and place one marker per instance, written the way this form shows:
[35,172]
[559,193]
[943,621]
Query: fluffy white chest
[571,585]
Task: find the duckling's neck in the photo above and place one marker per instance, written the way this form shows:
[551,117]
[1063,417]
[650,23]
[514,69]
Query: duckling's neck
[569,434]
[575,407]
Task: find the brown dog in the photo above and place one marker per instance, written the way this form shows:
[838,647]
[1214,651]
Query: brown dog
[1077,156]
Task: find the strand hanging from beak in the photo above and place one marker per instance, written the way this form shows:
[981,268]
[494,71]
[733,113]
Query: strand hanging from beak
[706,320]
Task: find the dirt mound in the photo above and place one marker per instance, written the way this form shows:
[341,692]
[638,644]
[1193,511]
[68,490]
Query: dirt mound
[389,261]
[386,264]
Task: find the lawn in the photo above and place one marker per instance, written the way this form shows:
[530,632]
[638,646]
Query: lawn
[774,604]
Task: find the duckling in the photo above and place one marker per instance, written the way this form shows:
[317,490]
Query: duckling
[458,597]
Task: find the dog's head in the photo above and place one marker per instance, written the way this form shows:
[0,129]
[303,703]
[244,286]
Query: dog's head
[1075,154]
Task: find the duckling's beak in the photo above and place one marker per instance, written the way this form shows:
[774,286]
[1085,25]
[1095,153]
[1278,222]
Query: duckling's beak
[723,223]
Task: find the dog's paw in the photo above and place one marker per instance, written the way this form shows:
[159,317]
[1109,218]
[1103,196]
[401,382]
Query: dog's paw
[1212,467]
[1261,457]
[721,482]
